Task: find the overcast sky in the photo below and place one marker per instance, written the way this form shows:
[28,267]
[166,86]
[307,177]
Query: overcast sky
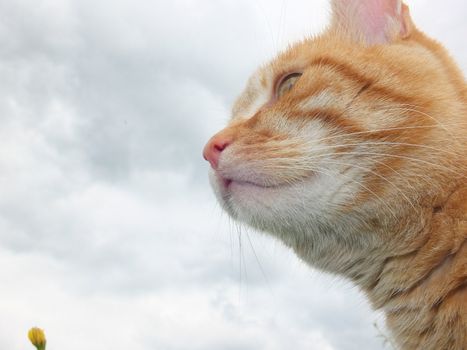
[110,237]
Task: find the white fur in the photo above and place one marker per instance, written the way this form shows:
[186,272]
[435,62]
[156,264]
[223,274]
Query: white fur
[255,95]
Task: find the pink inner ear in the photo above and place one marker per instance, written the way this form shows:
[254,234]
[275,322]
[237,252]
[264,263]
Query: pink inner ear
[376,13]
[375,19]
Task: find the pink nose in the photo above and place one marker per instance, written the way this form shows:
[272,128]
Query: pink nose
[213,149]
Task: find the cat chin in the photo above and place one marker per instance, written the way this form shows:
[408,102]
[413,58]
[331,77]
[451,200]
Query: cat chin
[237,197]
[304,216]
[273,208]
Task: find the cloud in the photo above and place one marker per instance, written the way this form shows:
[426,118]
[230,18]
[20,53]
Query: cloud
[109,234]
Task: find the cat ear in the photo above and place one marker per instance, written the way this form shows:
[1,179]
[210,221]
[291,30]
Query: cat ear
[371,21]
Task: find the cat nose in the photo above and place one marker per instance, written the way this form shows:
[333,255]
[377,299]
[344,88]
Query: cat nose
[215,146]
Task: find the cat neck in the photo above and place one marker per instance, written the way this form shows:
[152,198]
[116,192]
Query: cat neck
[424,292]
[418,277]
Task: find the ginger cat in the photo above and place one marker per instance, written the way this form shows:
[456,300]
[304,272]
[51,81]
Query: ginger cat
[351,148]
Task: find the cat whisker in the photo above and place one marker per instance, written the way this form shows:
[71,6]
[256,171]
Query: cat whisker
[333,173]
[372,172]
[369,132]
[403,107]
[263,272]
[377,175]
[268,23]
[378,154]
[387,143]
[406,158]
[291,179]
[241,257]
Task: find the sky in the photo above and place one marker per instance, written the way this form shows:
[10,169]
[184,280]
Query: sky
[110,236]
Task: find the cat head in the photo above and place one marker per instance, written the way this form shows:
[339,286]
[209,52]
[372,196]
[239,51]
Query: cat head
[343,133]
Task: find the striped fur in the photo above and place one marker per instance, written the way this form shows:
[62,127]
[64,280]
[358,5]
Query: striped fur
[361,167]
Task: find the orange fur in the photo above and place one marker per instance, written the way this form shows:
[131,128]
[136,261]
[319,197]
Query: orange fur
[392,115]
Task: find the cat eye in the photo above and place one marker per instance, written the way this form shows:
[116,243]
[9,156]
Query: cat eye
[286,84]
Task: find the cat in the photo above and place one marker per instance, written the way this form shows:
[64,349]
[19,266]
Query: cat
[351,148]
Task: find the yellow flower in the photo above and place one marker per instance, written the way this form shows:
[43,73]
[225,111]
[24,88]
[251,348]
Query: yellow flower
[37,338]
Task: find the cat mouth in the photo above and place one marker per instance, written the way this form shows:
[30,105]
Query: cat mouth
[228,184]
